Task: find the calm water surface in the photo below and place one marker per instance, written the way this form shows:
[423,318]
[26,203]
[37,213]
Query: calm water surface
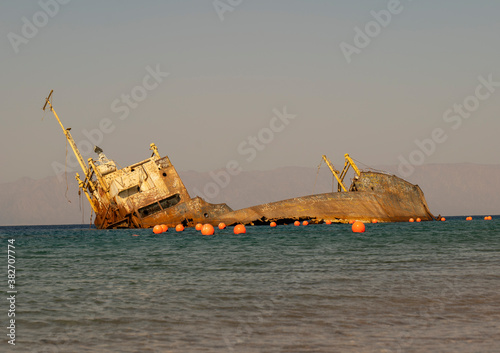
[409,287]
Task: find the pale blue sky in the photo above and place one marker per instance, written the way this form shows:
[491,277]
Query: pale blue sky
[226,77]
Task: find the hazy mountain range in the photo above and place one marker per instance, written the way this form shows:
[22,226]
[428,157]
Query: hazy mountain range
[450,189]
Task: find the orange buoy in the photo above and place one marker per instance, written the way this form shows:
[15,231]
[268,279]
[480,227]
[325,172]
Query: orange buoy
[164,228]
[328,222]
[198,226]
[222,225]
[419,220]
[374,221]
[358,227]
[468,218]
[296,223]
[488,218]
[240,229]
[443,219]
[351,221]
[157,229]
[272,224]
[179,228]
[411,220]
[305,223]
[207,229]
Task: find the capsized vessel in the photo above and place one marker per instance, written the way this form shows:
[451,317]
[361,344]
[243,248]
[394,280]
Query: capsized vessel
[151,192]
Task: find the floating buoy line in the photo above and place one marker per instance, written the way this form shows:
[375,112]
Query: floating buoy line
[356,226]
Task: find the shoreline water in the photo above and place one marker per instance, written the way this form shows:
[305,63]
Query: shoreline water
[398,287]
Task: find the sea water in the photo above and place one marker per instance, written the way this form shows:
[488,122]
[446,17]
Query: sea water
[400,287]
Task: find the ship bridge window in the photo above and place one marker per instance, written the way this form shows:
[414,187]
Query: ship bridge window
[149,209]
[170,201]
[160,205]
[129,192]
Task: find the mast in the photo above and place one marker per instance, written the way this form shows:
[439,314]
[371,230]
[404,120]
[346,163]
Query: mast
[67,134]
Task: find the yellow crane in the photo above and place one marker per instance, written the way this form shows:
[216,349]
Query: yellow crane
[341,175]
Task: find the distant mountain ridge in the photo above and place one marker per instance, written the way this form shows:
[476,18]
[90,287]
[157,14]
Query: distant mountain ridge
[450,189]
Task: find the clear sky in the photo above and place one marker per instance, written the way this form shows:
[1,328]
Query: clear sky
[365,77]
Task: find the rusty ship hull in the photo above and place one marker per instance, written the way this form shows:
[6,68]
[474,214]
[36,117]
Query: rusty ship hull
[151,192]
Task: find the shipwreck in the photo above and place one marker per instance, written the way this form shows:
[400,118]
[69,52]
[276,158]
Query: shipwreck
[151,192]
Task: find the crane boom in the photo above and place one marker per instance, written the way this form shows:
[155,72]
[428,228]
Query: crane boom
[67,134]
[340,178]
[335,173]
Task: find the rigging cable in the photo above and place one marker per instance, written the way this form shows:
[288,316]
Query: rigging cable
[368,167]
[317,173]
[65,171]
